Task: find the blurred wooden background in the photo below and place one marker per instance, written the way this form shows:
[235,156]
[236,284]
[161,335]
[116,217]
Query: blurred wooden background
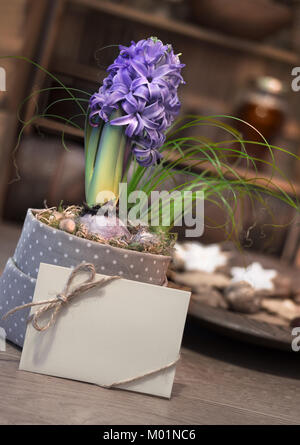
[66,37]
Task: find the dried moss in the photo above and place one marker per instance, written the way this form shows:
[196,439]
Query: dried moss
[52,217]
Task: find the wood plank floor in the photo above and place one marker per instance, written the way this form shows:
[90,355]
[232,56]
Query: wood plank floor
[218,381]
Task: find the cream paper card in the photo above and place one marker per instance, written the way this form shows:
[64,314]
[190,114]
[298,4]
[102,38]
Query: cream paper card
[109,334]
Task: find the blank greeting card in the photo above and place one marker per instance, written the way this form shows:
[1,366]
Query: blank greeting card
[126,331]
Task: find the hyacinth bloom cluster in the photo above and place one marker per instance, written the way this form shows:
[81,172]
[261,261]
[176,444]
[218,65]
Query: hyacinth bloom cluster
[142,84]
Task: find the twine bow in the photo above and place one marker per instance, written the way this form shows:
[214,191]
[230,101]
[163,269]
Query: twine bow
[55,304]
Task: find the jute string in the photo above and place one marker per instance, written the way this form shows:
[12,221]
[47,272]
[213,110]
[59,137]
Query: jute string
[55,304]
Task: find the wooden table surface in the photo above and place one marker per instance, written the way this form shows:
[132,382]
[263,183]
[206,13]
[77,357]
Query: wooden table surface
[218,381]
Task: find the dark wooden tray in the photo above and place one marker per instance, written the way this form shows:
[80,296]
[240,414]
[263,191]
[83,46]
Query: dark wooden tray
[241,326]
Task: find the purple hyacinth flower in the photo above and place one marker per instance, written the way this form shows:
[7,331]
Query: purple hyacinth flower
[142,82]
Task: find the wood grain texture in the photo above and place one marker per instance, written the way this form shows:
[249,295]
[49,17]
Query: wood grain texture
[218,381]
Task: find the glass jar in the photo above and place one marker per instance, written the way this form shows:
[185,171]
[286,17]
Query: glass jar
[262,106]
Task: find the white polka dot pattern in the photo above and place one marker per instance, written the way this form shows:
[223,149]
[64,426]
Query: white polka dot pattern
[21,292]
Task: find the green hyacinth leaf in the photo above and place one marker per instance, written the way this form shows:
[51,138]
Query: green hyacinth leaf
[91,142]
[108,165]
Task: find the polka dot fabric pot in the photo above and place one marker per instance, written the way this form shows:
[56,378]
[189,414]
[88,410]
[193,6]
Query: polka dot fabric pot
[41,243]
[16,289]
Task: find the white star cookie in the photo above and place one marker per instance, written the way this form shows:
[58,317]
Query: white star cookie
[254,274]
[196,256]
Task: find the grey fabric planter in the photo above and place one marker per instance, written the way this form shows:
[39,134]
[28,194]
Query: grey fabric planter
[41,243]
